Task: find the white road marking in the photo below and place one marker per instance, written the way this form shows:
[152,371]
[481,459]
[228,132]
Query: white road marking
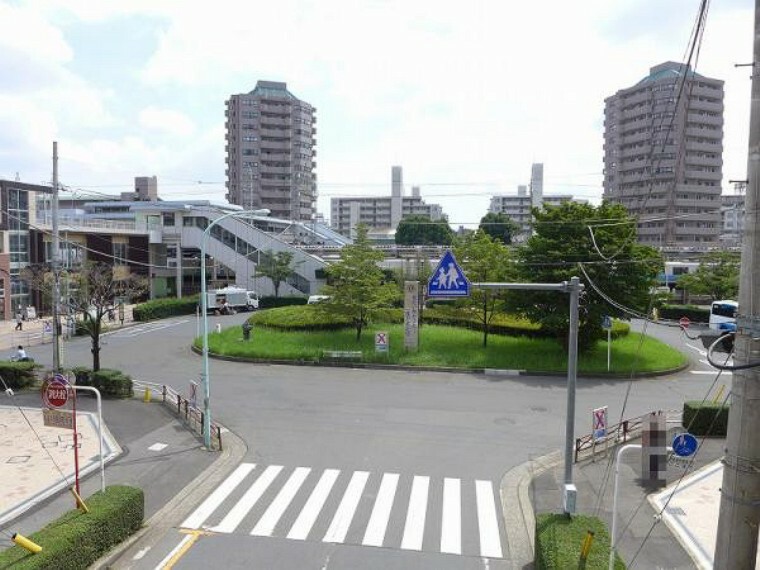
[158,446]
[265,526]
[699,350]
[314,504]
[246,503]
[451,525]
[215,499]
[381,512]
[488,524]
[414,529]
[139,330]
[711,372]
[161,565]
[342,519]
[141,553]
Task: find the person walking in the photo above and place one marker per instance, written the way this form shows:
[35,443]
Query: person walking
[19,322]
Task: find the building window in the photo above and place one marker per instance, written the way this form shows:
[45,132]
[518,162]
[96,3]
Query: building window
[120,253]
[168,218]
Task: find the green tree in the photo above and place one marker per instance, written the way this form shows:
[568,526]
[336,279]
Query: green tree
[417,229]
[277,267]
[357,288]
[484,259]
[94,288]
[716,276]
[499,226]
[620,269]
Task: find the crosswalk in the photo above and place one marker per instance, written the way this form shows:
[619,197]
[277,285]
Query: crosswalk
[390,510]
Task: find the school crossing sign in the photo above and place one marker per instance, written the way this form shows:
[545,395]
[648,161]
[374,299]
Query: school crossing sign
[448,279]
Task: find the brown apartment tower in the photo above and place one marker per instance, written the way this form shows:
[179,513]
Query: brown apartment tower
[271,155]
[663,155]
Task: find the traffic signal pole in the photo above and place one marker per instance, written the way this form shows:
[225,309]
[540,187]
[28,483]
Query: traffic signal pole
[736,542]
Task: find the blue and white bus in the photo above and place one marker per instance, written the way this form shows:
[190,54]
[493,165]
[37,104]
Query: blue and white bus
[723,315]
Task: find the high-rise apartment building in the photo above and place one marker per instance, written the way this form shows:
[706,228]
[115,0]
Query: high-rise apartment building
[663,155]
[271,141]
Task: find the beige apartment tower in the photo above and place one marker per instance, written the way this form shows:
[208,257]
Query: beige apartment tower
[271,154]
[663,155]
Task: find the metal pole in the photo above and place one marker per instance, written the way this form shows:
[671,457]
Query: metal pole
[56,266]
[100,432]
[736,541]
[609,347]
[613,532]
[572,373]
[205,378]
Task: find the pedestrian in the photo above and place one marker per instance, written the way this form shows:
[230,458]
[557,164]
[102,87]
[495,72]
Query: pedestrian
[20,355]
[19,322]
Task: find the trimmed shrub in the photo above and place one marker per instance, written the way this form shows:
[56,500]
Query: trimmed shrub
[18,375]
[694,313]
[169,307]
[705,418]
[559,539]
[272,302]
[76,540]
[111,383]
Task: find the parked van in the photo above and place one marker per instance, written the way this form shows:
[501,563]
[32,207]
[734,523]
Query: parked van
[314,299]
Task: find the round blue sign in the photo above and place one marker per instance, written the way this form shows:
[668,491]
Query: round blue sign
[684,444]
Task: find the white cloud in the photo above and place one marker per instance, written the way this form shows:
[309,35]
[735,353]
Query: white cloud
[166,120]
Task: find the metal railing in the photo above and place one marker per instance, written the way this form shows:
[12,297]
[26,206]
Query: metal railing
[589,446]
[186,410]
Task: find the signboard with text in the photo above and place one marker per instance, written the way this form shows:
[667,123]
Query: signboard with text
[411,315]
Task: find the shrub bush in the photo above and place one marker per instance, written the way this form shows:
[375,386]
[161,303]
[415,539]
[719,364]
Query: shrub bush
[705,418]
[18,375]
[111,383]
[272,302]
[76,540]
[169,307]
[694,313]
[559,539]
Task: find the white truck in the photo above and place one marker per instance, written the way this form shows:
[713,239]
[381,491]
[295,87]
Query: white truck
[230,300]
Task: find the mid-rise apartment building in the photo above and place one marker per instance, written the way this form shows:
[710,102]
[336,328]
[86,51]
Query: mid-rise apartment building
[732,214]
[518,208]
[380,212]
[271,155]
[663,155]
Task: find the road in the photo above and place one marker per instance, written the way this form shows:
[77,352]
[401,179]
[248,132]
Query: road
[340,459]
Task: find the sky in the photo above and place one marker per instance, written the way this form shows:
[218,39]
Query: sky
[465,96]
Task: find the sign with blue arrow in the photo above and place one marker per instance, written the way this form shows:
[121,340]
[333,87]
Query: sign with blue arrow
[448,279]
[684,444]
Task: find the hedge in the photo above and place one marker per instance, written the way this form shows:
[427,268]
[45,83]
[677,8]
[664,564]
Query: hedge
[694,313]
[271,302]
[559,539]
[111,383]
[705,418]
[163,308]
[76,540]
[18,375]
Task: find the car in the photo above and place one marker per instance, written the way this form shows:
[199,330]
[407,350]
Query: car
[314,299]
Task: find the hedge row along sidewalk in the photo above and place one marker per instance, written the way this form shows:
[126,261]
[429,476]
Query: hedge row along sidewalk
[77,539]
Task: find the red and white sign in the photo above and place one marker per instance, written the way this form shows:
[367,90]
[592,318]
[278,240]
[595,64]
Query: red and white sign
[55,393]
[684,322]
[381,342]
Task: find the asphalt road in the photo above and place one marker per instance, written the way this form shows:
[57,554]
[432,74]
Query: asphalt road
[409,445]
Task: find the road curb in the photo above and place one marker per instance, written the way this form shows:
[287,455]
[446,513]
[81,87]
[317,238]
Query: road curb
[517,509]
[174,512]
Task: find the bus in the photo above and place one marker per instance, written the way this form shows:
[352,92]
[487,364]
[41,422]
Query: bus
[723,315]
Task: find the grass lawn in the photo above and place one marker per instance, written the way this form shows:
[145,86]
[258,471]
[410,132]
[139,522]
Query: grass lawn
[448,347]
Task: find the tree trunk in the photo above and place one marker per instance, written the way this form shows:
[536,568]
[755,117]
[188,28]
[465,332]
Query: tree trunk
[95,347]
[276,289]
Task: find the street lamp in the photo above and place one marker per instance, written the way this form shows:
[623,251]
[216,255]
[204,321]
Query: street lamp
[205,379]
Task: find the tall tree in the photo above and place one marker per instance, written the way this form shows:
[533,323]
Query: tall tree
[616,264]
[484,259]
[716,276]
[93,291]
[277,267]
[499,226]
[357,288]
[417,229]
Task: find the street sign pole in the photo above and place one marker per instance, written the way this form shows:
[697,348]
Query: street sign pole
[609,348]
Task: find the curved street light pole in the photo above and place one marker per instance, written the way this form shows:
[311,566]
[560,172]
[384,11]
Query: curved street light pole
[205,379]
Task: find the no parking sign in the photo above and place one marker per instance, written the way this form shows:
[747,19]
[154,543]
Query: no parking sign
[381,342]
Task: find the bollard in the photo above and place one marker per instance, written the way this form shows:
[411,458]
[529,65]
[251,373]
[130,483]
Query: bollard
[218,327]
[146,396]
[25,543]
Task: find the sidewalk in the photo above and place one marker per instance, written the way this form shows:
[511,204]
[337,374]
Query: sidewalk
[687,539]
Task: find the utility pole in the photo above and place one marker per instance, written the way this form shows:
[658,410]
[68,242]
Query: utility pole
[56,267]
[736,543]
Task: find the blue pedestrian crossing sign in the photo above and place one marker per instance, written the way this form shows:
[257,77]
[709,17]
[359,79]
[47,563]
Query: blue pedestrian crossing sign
[448,279]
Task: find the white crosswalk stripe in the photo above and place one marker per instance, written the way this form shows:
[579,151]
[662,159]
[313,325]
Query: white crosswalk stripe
[429,514]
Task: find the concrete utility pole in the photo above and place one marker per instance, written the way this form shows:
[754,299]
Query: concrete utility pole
[56,266]
[736,544]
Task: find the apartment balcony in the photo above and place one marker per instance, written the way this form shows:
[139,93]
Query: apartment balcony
[716,134]
[642,96]
[715,92]
[712,146]
[712,120]
[711,106]
[276,122]
[275,146]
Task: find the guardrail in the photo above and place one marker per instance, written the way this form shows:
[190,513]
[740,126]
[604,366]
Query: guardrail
[185,409]
[588,445]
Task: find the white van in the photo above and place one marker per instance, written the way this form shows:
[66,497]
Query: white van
[314,299]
